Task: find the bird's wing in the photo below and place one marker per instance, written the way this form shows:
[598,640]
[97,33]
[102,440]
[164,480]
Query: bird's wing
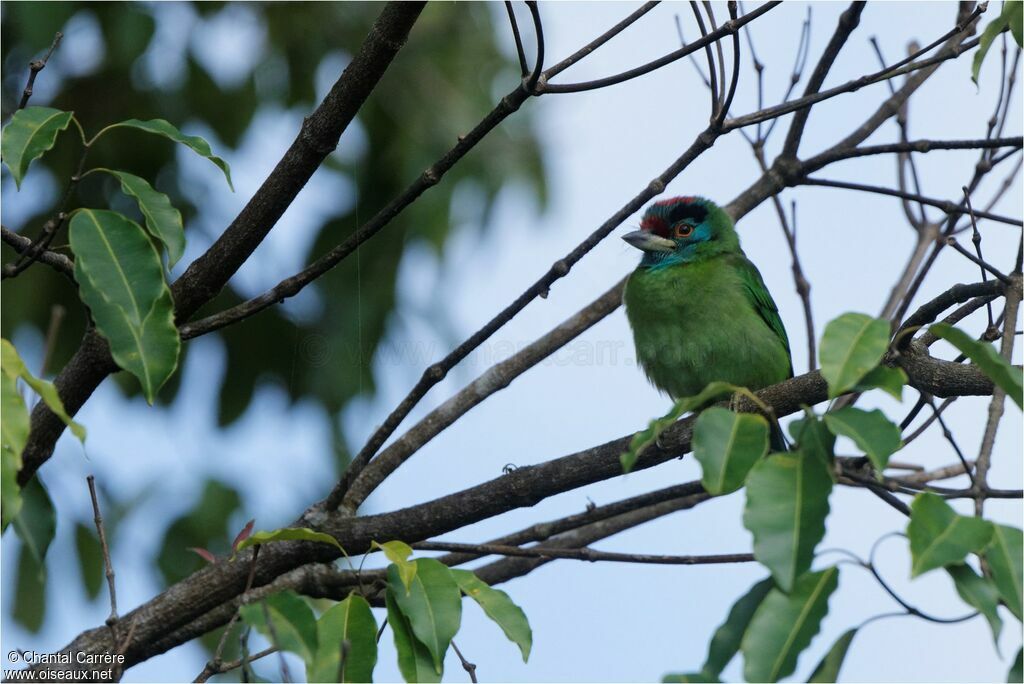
[762,301]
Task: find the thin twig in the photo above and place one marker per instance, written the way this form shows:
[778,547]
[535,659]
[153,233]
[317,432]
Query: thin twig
[727,102]
[519,40]
[712,71]
[469,667]
[583,554]
[726,29]
[538,69]
[848,21]
[34,67]
[976,234]
[108,567]
[945,205]
[995,409]
[984,265]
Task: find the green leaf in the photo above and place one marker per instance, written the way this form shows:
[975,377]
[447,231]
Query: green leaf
[14,427]
[939,537]
[1016,673]
[727,445]
[851,347]
[414,660]
[646,438]
[787,502]
[167,130]
[398,553]
[15,368]
[1004,555]
[433,605]
[288,534]
[828,668]
[1014,10]
[90,559]
[979,593]
[349,621]
[121,279]
[286,621]
[31,132]
[814,438]
[870,431]
[984,355]
[783,626]
[37,521]
[162,220]
[887,379]
[726,641]
[500,608]
[1011,17]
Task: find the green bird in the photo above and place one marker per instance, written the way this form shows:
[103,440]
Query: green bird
[699,309]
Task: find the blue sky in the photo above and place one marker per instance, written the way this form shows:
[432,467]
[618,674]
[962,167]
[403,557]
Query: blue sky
[601,621]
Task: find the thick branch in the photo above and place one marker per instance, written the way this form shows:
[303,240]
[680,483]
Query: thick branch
[523,487]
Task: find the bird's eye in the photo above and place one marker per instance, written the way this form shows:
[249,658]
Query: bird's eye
[684,230]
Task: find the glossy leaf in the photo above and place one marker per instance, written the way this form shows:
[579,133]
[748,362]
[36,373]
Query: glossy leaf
[288,534]
[645,438]
[120,278]
[727,445]
[13,367]
[784,624]
[787,503]
[887,379]
[871,431]
[414,659]
[1004,555]
[398,553]
[939,536]
[31,133]
[1016,673]
[169,131]
[433,604]
[828,668]
[349,621]
[1011,17]
[36,523]
[814,438]
[500,608]
[985,356]
[163,221]
[851,347]
[979,593]
[727,638]
[286,621]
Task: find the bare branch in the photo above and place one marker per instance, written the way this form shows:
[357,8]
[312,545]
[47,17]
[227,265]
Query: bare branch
[583,554]
[34,67]
[848,21]
[54,260]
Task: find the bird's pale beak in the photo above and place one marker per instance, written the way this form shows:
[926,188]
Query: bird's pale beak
[649,242]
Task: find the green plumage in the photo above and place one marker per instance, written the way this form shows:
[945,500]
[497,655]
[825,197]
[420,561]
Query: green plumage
[699,310]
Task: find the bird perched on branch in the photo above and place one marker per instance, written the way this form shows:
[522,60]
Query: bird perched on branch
[699,310]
